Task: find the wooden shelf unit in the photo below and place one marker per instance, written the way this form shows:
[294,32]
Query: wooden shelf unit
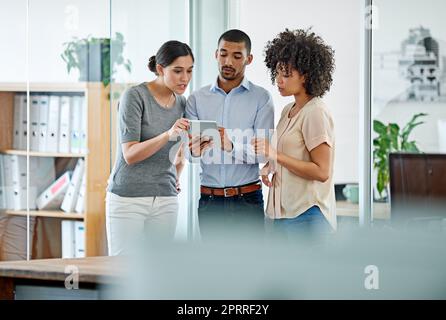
[42,154]
[46,213]
[97,159]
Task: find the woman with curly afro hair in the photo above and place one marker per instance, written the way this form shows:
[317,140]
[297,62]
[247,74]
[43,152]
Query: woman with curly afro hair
[301,153]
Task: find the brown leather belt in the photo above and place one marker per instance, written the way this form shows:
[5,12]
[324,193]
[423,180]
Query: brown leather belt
[231,192]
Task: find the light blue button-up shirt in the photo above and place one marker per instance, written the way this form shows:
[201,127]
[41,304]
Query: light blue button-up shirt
[246,109]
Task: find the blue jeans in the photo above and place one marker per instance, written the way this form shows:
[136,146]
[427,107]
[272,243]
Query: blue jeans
[311,225]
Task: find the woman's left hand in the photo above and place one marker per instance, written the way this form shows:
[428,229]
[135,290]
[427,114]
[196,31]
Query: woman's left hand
[177,185]
[264,174]
[263,148]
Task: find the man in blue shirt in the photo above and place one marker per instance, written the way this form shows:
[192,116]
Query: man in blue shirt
[231,193]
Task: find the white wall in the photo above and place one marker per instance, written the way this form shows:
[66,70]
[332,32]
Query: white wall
[51,23]
[337,22]
[146,25]
[13,43]
[397,16]
[395,19]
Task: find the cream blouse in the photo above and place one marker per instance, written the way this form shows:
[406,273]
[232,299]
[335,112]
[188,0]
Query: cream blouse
[290,194]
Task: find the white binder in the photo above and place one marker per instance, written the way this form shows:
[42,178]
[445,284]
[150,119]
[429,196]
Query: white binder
[43,122]
[65,125]
[52,141]
[24,122]
[8,186]
[34,123]
[80,203]
[84,121]
[79,239]
[75,120]
[42,174]
[53,196]
[19,177]
[70,199]
[17,143]
[68,240]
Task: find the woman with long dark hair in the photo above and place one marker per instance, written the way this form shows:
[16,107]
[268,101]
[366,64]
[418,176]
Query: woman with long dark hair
[143,187]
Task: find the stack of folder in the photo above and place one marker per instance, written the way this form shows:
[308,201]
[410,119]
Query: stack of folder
[13,180]
[57,123]
[73,239]
[67,193]
[64,192]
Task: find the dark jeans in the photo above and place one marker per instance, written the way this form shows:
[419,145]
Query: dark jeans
[238,215]
[310,225]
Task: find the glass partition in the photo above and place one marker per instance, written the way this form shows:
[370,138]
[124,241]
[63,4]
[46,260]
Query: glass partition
[15,242]
[409,97]
[138,31]
[344,95]
[54,91]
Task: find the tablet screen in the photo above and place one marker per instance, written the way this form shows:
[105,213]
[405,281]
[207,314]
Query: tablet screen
[198,127]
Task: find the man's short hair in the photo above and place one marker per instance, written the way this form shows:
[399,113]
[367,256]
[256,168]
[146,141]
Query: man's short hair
[236,35]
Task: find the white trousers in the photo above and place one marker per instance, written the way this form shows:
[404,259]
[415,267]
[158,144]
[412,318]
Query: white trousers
[130,220]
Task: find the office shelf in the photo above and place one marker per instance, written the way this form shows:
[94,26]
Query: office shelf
[42,154]
[46,213]
[97,162]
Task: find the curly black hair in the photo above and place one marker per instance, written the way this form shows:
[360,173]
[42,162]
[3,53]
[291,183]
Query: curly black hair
[306,52]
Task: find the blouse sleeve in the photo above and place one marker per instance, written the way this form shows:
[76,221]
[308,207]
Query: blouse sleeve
[318,128]
[130,116]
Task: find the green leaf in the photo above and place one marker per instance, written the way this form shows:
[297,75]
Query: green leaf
[390,139]
[412,124]
[411,147]
[379,127]
[393,130]
[409,128]
[376,142]
[380,185]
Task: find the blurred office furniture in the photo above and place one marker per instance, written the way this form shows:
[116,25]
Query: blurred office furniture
[60,279]
[417,188]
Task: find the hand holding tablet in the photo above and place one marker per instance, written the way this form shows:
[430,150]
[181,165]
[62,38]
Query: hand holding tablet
[201,135]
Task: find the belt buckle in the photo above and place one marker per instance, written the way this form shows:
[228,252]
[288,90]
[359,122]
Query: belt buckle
[226,190]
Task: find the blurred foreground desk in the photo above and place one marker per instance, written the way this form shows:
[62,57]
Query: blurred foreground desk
[48,279]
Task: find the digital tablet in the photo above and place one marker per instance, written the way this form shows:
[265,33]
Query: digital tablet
[198,127]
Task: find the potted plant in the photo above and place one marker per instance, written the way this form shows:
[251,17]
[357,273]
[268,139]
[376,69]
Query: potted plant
[92,57]
[391,139]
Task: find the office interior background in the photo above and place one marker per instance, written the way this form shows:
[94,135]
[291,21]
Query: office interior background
[389,70]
